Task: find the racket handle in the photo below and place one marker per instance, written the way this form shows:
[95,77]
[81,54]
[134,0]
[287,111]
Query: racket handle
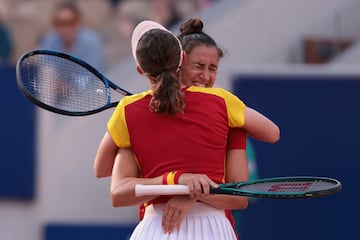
[152,190]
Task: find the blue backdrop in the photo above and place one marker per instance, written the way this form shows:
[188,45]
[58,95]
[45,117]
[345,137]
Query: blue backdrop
[319,119]
[17,142]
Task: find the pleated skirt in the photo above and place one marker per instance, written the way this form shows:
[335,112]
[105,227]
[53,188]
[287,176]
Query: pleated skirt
[203,222]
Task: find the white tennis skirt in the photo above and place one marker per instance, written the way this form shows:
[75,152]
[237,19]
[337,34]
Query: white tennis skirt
[203,222]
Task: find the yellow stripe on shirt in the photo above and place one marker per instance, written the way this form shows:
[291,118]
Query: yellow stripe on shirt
[117,126]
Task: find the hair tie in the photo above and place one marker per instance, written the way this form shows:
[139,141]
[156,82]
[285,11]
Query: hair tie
[154,105]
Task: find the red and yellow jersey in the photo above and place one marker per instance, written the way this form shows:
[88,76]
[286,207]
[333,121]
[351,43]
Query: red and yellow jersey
[193,141]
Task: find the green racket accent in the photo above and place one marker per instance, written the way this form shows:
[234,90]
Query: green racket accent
[282,187]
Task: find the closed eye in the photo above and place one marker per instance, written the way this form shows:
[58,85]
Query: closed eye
[199,65]
[213,70]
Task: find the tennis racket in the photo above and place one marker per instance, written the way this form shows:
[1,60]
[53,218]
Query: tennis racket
[64,84]
[277,188]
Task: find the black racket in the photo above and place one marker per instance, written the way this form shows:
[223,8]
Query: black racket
[64,84]
[278,188]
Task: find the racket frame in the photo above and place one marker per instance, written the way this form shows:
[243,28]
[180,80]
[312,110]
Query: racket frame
[107,83]
[229,188]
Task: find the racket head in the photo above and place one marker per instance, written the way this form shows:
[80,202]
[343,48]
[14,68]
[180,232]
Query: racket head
[64,84]
[283,187]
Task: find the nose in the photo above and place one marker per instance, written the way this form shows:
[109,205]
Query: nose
[205,75]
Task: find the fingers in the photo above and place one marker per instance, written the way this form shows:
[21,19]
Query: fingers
[199,184]
[169,220]
[174,214]
[175,211]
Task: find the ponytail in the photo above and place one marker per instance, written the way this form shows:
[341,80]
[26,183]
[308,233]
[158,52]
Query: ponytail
[167,96]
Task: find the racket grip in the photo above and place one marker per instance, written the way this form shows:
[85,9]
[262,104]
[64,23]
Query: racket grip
[152,190]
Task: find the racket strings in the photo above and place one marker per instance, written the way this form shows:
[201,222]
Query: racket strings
[62,84]
[286,186]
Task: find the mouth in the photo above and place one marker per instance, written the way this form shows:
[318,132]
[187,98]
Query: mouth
[199,84]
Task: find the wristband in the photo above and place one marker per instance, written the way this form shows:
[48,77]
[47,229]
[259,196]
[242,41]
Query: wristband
[177,176]
[164,178]
[171,178]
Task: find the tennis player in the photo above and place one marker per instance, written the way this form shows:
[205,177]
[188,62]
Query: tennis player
[200,69]
[167,129]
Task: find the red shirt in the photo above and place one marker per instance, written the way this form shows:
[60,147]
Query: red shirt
[192,141]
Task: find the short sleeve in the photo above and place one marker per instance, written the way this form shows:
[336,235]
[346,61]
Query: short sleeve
[117,127]
[235,110]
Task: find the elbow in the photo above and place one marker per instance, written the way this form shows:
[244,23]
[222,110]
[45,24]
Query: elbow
[115,203]
[244,204]
[275,136]
[99,174]
[115,199]
[120,197]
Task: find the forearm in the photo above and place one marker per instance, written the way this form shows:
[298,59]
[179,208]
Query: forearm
[223,201]
[123,192]
[270,136]
[260,127]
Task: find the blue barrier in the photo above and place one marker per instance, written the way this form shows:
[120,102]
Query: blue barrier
[88,232]
[319,119]
[17,178]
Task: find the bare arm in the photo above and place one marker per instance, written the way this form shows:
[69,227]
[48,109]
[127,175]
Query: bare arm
[105,157]
[121,164]
[260,127]
[125,176]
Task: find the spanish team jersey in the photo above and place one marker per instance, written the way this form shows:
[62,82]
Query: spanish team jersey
[192,141]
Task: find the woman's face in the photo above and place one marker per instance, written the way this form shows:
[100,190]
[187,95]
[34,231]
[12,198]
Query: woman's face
[200,66]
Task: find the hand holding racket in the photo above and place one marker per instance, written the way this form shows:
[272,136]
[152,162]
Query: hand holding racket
[277,188]
[64,84]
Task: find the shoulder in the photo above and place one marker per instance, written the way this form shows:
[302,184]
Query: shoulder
[134,98]
[218,92]
[213,91]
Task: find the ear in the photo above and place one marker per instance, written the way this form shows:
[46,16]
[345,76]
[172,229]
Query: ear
[183,57]
[139,70]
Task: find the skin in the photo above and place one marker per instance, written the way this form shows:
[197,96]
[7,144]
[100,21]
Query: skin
[199,69]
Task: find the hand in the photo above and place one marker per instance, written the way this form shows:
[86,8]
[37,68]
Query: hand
[175,211]
[199,184]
